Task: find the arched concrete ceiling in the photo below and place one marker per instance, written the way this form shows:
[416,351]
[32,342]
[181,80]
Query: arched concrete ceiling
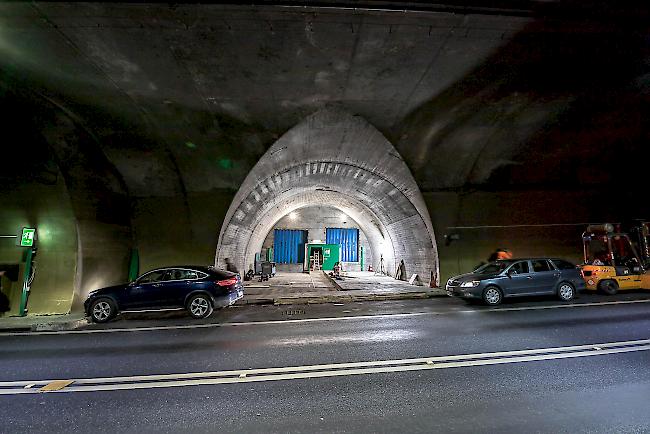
[340,160]
[186,98]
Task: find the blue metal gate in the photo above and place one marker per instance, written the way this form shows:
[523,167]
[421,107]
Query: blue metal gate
[349,241]
[289,246]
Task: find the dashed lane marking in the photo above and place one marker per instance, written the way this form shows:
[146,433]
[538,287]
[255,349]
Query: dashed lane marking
[325,319]
[322,371]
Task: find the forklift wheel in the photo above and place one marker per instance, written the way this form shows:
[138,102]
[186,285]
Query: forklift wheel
[608,286]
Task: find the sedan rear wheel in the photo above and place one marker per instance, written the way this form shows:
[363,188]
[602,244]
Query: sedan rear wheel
[102,310]
[492,296]
[200,306]
[566,291]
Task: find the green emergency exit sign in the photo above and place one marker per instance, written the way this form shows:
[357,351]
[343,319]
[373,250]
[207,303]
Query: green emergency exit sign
[27,237]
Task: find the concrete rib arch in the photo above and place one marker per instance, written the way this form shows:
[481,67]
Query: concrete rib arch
[338,159]
[369,223]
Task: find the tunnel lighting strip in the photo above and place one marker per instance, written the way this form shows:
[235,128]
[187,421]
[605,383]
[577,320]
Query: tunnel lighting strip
[417,8]
[319,371]
[548,225]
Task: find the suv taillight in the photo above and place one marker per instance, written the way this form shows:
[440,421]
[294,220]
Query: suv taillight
[227,282]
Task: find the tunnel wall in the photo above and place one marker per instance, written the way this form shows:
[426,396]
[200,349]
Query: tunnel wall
[179,229]
[46,207]
[536,223]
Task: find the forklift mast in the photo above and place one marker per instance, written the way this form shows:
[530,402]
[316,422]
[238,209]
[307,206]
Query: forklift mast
[640,235]
[610,246]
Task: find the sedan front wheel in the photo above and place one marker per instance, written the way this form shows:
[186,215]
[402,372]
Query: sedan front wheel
[492,296]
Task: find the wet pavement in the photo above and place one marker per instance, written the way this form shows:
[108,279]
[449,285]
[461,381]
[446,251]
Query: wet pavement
[590,391]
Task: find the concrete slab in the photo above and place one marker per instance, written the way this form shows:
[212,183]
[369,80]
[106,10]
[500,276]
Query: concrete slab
[318,287]
[43,322]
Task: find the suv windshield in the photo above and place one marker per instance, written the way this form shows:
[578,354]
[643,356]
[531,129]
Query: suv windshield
[491,268]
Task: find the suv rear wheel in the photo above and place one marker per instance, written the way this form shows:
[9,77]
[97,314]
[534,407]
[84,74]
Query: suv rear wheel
[200,306]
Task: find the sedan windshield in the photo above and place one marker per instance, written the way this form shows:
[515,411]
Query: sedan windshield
[491,268]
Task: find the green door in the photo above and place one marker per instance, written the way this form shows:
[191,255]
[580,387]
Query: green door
[331,254]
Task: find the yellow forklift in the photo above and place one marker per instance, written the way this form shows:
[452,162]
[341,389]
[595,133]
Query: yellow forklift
[611,260]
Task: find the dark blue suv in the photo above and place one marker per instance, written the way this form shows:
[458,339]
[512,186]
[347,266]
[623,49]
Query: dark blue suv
[196,288]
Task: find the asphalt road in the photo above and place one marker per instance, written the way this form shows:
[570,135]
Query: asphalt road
[409,366]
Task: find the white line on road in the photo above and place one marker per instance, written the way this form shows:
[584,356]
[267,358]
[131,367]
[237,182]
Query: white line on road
[325,370]
[325,319]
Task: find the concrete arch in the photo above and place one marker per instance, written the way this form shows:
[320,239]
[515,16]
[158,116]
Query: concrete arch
[340,160]
[368,222]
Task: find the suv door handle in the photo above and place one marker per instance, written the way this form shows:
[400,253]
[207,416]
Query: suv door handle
[529,277]
[157,284]
[557,275]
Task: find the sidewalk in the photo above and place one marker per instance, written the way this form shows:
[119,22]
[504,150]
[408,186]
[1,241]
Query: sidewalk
[42,322]
[318,287]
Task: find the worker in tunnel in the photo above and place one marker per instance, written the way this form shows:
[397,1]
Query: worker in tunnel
[230,266]
[500,254]
[401,271]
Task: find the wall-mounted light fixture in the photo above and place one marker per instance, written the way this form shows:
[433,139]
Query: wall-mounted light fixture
[449,238]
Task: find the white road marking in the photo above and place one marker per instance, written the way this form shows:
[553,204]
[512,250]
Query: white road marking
[328,370]
[324,319]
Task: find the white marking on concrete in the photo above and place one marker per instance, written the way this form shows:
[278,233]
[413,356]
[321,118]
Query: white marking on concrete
[327,370]
[324,319]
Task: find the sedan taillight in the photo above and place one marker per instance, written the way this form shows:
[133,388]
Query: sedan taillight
[227,282]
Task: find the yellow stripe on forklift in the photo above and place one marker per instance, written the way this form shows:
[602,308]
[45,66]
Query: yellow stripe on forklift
[55,385]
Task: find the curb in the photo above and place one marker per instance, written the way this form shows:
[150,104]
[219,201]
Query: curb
[71,324]
[333,282]
[58,326]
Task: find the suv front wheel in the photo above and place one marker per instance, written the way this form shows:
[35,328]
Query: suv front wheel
[103,310]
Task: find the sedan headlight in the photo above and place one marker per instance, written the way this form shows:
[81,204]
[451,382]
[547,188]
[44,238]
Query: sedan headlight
[470,284]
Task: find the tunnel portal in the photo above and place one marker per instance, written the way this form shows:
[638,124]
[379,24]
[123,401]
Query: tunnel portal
[337,160]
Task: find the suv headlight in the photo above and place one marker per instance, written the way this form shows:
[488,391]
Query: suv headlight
[470,284]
